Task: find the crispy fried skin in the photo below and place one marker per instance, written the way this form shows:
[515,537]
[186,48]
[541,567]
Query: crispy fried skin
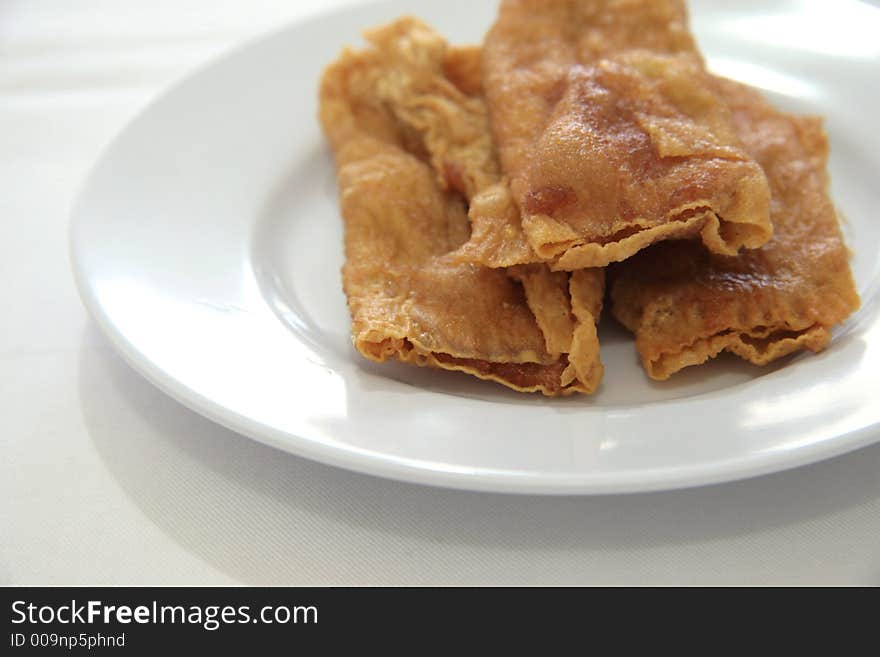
[612,136]
[462,66]
[497,238]
[404,76]
[409,131]
[686,305]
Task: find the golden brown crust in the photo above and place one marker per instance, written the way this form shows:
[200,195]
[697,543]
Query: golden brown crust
[451,125]
[612,135]
[462,66]
[549,300]
[396,123]
[586,287]
[686,305]
[497,238]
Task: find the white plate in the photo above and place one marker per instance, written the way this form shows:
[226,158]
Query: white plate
[207,245]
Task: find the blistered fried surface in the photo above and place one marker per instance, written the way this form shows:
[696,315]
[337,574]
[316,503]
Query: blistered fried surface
[686,305]
[548,298]
[398,125]
[462,66]
[586,289]
[566,307]
[497,238]
[611,134]
[450,124]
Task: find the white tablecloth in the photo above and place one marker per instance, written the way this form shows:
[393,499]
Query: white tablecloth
[105,480]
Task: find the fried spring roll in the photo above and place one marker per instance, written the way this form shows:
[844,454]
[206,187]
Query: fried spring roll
[612,137]
[410,136]
[686,305]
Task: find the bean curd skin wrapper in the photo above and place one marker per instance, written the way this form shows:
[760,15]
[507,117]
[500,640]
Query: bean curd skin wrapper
[409,132]
[686,305]
[612,136]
